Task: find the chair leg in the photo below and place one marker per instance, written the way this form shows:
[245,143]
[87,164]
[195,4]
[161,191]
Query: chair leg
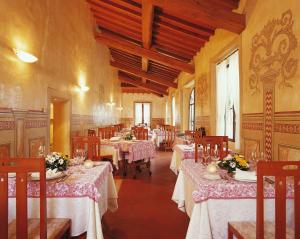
[133,169]
[230,232]
[149,167]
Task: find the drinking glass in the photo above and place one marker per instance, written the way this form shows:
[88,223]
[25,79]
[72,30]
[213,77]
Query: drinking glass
[41,151]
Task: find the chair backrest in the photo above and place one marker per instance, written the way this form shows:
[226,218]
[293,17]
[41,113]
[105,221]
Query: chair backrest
[164,126]
[78,142]
[94,147]
[280,170]
[90,143]
[22,167]
[219,142]
[106,132]
[170,135]
[91,132]
[141,133]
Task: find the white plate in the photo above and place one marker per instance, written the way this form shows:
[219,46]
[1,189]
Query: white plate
[54,176]
[246,180]
[211,176]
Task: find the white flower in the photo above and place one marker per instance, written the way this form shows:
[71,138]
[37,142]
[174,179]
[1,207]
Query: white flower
[61,161]
[232,164]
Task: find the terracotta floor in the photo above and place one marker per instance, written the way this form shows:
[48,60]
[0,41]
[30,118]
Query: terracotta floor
[145,206]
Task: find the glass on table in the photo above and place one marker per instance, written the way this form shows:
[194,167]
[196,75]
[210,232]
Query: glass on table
[41,151]
[79,156]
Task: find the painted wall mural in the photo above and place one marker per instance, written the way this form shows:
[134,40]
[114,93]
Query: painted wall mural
[202,88]
[272,53]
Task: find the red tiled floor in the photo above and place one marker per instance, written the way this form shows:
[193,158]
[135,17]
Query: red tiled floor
[145,206]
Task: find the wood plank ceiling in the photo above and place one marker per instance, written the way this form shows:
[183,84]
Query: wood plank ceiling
[152,41]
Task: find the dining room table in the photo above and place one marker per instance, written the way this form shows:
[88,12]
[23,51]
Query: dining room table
[130,150]
[211,202]
[180,153]
[81,194]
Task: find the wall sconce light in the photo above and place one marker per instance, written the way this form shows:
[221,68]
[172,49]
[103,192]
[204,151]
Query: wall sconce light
[25,56]
[111,103]
[83,88]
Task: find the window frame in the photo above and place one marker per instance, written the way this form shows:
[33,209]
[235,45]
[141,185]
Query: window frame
[134,113]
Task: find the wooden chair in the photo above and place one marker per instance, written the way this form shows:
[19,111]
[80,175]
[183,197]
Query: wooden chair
[169,137]
[92,145]
[91,132]
[141,133]
[22,227]
[221,142]
[106,132]
[278,230]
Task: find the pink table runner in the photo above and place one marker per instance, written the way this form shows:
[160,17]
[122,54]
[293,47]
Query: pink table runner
[137,150]
[223,189]
[81,183]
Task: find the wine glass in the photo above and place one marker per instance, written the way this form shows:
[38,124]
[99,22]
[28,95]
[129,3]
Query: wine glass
[41,151]
[206,155]
[216,155]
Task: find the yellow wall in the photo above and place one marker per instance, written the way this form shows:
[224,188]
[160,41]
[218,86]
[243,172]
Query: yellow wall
[287,99]
[60,34]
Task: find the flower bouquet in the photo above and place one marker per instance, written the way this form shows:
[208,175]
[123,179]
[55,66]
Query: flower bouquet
[231,162]
[56,161]
[128,136]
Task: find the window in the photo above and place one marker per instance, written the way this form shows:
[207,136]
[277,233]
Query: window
[142,113]
[173,111]
[228,98]
[192,111]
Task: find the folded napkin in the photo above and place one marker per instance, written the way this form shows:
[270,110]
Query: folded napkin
[49,173]
[245,175]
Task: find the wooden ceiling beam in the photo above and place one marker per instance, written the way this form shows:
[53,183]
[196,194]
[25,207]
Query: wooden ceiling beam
[103,25]
[168,36]
[145,64]
[180,34]
[140,84]
[129,5]
[103,10]
[185,25]
[172,54]
[143,74]
[123,24]
[138,91]
[175,50]
[204,13]
[112,40]
[147,22]
[178,45]
[173,28]
[111,6]
[117,18]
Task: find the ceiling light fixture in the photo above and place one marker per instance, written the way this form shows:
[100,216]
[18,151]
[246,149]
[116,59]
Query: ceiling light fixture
[25,56]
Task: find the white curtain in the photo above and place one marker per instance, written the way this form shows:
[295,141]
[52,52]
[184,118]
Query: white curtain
[138,109]
[234,92]
[221,94]
[228,97]
[147,113]
[173,111]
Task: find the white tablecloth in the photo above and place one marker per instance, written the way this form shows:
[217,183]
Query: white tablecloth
[209,219]
[111,150]
[84,212]
[177,157]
